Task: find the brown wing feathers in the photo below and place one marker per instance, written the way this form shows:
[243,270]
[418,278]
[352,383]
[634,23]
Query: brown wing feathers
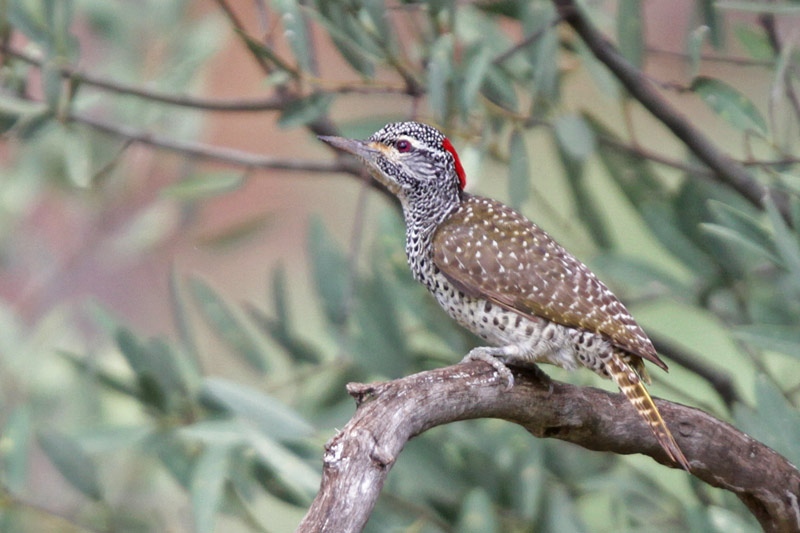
[488,250]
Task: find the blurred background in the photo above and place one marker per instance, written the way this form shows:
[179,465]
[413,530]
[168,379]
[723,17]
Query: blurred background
[188,278]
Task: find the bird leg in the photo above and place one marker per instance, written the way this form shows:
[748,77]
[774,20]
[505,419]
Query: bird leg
[495,356]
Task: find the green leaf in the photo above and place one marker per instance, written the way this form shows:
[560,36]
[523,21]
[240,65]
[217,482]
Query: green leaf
[477,67]
[477,514]
[498,88]
[305,110]
[518,170]
[330,270]
[774,422]
[786,240]
[640,275]
[714,20]
[780,338]
[545,66]
[151,389]
[180,313]
[268,414]
[730,104]
[14,448]
[208,486]
[576,142]
[230,325]
[104,378]
[71,461]
[281,332]
[78,157]
[237,232]
[295,31]
[51,85]
[528,483]
[742,223]
[755,42]
[380,344]
[695,48]
[204,185]
[439,74]
[20,107]
[732,238]
[30,23]
[287,475]
[575,136]
[629,30]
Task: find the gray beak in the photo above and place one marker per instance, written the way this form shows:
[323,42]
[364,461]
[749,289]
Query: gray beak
[368,152]
[360,148]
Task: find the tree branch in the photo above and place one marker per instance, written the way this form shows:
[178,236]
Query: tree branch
[216,153]
[358,459]
[726,170]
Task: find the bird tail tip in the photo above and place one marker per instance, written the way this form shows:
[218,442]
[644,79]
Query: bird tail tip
[631,386]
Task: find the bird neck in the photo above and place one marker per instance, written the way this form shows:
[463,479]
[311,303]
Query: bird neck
[423,217]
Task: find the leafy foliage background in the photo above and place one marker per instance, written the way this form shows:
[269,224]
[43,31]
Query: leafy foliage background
[186,401]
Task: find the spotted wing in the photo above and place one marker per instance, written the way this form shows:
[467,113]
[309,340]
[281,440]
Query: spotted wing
[488,250]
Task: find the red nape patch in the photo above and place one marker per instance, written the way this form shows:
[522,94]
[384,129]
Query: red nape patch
[462,178]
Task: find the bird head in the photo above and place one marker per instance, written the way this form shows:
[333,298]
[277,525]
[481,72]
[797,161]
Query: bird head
[416,162]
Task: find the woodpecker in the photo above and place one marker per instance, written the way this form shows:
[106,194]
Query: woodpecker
[502,277]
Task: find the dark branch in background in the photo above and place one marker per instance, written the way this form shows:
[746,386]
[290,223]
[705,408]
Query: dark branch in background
[216,153]
[527,41]
[716,377]
[726,170]
[358,459]
[269,103]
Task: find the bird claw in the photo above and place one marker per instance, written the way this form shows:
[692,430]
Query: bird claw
[487,356]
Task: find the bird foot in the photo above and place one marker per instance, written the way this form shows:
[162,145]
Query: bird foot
[493,357]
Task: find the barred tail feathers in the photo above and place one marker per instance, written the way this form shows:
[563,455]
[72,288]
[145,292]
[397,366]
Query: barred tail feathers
[631,386]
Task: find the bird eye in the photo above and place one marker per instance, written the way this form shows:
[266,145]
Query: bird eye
[403,146]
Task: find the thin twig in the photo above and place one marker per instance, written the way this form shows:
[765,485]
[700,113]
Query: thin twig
[215,153]
[742,61]
[269,103]
[527,41]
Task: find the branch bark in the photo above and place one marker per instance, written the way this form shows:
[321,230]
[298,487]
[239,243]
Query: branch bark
[358,459]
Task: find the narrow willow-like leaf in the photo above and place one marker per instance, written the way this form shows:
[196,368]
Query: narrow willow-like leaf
[204,185]
[230,325]
[730,104]
[695,49]
[780,338]
[518,170]
[14,448]
[72,462]
[786,240]
[208,485]
[295,31]
[271,416]
[330,270]
[575,136]
[439,74]
[741,243]
[78,157]
[629,30]
[774,421]
[305,110]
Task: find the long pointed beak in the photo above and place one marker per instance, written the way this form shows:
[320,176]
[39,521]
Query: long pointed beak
[360,148]
[368,152]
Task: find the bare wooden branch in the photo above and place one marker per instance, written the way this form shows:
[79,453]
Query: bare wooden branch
[358,459]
